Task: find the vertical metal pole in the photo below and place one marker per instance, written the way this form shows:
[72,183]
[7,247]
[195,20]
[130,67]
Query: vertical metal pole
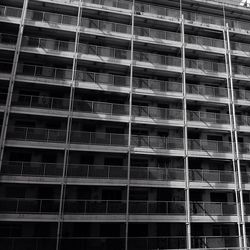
[232,141]
[185,131]
[69,125]
[130,120]
[12,82]
[240,192]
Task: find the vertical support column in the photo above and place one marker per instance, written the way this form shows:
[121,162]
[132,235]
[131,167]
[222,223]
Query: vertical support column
[185,131]
[12,82]
[236,144]
[232,140]
[69,125]
[130,120]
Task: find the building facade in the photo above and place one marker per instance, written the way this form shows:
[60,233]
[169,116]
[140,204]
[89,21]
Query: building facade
[124,125]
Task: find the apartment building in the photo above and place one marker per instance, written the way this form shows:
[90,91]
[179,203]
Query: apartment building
[124,125]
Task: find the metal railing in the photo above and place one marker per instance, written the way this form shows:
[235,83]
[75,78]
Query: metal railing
[242,94]
[8,39]
[203,175]
[10,11]
[29,205]
[39,72]
[208,117]
[157,85]
[210,91]
[120,81]
[244,148]
[209,146]
[140,9]
[75,206]
[243,120]
[59,136]
[157,113]
[216,242]
[213,208]
[3,97]
[94,243]
[111,139]
[114,80]
[18,168]
[121,54]
[157,142]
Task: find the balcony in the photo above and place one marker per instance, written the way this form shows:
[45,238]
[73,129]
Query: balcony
[216,242]
[84,207]
[94,243]
[89,207]
[213,209]
[140,143]
[210,148]
[208,119]
[42,137]
[10,14]
[122,57]
[109,82]
[12,170]
[211,176]
[97,110]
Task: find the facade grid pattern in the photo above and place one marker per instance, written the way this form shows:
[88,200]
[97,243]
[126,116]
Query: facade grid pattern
[124,125]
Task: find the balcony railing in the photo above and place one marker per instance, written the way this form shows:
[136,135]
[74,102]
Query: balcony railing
[109,79]
[208,117]
[8,11]
[157,142]
[47,206]
[241,94]
[140,9]
[120,54]
[216,242]
[3,97]
[18,168]
[8,39]
[94,243]
[202,175]
[213,208]
[31,206]
[15,168]
[209,146]
[210,91]
[51,206]
[93,107]
[59,136]
[119,4]
[107,139]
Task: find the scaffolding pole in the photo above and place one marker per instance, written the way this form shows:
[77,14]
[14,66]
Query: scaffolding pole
[185,131]
[12,82]
[232,141]
[130,121]
[69,125]
[236,144]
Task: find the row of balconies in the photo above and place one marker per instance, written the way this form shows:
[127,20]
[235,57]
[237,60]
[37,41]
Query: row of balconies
[123,57]
[76,206]
[134,243]
[120,141]
[120,110]
[150,12]
[174,89]
[141,59]
[123,31]
[15,168]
